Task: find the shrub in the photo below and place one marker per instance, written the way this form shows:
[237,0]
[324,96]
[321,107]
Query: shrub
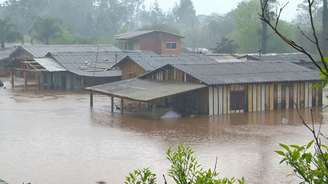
[184,169]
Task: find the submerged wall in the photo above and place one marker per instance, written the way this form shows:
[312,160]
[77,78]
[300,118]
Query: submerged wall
[262,97]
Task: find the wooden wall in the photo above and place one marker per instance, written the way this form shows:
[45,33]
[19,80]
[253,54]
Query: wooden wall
[172,74]
[264,97]
[155,42]
[130,69]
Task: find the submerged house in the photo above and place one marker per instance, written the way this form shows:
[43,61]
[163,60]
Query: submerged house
[137,65]
[77,70]
[4,60]
[64,67]
[160,42]
[220,88]
[296,58]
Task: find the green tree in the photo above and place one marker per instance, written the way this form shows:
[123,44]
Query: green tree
[325,26]
[8,32]
[184,169]
[248,30]
[185,18]
[84,18]
[226,46]
[220,27]
[141,176]
[185,13]
[311,167]
[309,162]
[45,29]
[264,28]
[153,17]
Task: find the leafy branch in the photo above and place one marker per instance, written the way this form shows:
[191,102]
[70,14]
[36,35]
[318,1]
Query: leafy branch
[273,23]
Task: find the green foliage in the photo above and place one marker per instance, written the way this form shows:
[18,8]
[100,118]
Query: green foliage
[184,166]
[185,13]
[89,21]
[226,46]
[248,28]
[8,32]
[184,169]
[308,163]
[45,29]
[144,176]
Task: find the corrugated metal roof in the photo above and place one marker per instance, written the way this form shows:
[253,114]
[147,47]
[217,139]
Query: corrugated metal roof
[135,34]
[88,63]
[289,57]
[5,56]
[145,90]
[248,72]
[152,62]
[5,53]
[297,58]
[41,50]
[93,63]
[50,64]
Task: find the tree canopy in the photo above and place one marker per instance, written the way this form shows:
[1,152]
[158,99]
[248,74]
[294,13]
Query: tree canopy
[45,29]
[8,32]
[90,21]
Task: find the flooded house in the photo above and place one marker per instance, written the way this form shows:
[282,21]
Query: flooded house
[4,60]
[220,88]
[63,67]
[296,58]
[136,65]
[160,42]
[77,70]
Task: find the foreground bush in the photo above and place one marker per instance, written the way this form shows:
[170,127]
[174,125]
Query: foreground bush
[309,162]
[184,169]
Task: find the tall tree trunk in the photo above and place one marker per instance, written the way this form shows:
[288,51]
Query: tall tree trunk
[264,31]
[264,38]
[325,27]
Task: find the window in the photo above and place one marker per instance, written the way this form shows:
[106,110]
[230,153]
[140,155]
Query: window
[171,45]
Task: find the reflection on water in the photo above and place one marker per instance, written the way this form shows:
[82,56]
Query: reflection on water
[47,138]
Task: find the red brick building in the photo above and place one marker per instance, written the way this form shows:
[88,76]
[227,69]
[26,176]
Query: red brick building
[160,42]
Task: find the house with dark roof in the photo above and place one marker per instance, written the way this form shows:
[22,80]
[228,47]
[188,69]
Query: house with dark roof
[4,60]
[160,42]
[65,67]
[296,58]
[136,65]
[220,88]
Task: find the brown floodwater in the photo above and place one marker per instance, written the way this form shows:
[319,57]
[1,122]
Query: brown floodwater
[52,138]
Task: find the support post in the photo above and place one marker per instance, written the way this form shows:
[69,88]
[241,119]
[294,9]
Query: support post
[12,76]
[112,103]
[122,106]
[91,99]
[39,76]
[82,83]
[25,80]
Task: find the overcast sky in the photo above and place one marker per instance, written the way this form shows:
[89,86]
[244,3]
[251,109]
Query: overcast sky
[223,6]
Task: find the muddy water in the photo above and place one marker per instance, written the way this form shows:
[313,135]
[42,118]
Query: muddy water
[48,138]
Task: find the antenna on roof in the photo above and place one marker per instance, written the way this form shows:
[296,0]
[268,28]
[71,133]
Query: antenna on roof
[95,64]
[116,56]
[260,53]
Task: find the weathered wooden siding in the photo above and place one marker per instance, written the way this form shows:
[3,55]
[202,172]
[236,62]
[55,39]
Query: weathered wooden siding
[71,82]
[219,100]
[130,70]
[155,42]
[172,74]
[265,97]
